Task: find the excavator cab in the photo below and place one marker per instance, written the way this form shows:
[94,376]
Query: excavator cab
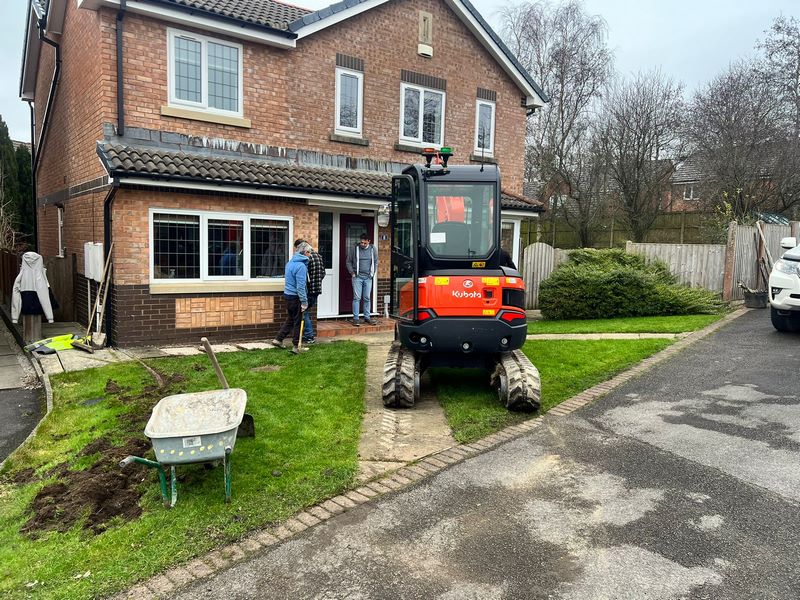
[453,303]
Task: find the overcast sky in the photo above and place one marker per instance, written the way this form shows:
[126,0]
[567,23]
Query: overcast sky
[690,40]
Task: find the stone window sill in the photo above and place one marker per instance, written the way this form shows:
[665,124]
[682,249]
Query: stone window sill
[208,117]
[349,139]
[491,160]
[409,148]
[167,287]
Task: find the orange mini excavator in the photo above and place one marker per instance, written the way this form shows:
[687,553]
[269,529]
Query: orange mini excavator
[453,303]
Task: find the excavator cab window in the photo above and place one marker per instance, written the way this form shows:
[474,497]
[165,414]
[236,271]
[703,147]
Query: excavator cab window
[460,220]
[404,248]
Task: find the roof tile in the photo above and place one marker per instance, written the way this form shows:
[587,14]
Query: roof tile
[134,161]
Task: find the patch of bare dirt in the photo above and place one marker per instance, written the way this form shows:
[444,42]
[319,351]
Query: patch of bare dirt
[266,369]
[98,494]
[23,477]
[112,387]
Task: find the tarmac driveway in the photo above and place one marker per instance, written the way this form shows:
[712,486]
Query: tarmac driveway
[683,483]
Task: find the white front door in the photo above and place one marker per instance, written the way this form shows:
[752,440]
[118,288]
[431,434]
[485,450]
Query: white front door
[328,242]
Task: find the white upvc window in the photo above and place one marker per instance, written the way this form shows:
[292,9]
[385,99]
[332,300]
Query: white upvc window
[349,101]
[190,246]
[204,73]
[484,127]
[688,192]
[421,115]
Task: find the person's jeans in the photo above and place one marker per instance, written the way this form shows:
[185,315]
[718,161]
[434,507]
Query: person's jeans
[308,327]
[293,319]
[362,288]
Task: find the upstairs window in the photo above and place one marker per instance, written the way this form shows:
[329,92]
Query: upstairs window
[688,192]
[204,73]
[349,101]
[421,115]
[484,127]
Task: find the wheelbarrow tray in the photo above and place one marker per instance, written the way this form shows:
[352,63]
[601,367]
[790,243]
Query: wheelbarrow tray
[196,427]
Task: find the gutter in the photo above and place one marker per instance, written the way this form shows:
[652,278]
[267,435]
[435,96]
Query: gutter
[107,232]
[33,179]
[52,95]
[120,86]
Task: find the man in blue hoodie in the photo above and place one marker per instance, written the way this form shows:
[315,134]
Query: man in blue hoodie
[296,296]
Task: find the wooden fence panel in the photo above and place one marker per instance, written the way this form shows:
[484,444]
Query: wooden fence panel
[537,263]
[9,267]
[774,234]
[744,268]
[61,278]
[695,265]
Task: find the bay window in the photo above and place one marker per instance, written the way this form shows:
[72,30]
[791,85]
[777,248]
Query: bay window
[194,246]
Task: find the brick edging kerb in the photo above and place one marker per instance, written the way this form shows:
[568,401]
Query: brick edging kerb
[222,558]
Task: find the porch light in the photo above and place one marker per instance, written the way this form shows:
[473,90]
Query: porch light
[383,215]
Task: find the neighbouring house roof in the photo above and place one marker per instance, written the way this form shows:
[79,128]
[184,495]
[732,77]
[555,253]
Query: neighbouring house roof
[156,163]
[267,13]
[689,170]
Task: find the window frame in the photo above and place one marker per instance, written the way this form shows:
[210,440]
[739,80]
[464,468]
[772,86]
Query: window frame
[338,127]
[202,106]
[493,105]
[689,187]
[205,216]
[418,141]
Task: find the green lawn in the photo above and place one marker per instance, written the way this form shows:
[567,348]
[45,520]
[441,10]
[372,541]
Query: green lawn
[566,367]
[670,324]
[307,413]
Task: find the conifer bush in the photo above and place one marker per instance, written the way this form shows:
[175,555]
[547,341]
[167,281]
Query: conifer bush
[598,284]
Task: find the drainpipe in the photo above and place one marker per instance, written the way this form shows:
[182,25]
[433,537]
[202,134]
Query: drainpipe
[53,87]
[120,87]
[33,179]
[107,222]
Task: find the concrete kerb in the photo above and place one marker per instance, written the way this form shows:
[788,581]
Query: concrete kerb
[405,477]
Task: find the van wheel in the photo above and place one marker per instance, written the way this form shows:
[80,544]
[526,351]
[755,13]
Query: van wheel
[784,323]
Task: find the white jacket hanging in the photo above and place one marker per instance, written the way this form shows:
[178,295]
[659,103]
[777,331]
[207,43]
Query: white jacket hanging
[31,293]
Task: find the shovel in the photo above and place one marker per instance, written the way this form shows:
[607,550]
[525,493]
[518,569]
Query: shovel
[247,428]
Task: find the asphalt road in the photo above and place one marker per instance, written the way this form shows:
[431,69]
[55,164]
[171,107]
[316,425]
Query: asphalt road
[683,483]
[20,411]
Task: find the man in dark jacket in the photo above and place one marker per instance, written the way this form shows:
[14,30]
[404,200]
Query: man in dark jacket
[316,273]
[296,296]
[505,259]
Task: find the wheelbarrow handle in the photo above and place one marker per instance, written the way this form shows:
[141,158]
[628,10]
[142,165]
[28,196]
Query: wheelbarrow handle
[213,358]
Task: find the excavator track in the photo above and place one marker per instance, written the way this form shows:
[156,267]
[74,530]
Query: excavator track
[400,378]
[518,383]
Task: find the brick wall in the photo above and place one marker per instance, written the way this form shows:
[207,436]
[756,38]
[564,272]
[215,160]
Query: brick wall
[289,94]
[141,318]
[85,99]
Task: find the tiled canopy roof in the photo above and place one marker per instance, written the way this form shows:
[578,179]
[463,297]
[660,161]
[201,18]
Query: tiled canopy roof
[134,161]
[267,13]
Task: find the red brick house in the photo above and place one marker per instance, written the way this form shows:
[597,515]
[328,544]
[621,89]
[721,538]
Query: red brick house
[203,136]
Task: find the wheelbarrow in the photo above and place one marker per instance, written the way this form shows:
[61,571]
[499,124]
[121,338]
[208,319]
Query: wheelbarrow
[197,427]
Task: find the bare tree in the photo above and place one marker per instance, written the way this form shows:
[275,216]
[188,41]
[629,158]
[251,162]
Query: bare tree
[640,140]
[781,66]
[738,136]
[565,50]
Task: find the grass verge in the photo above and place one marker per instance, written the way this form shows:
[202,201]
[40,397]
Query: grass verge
[668,324]
[307,412]
[567,367]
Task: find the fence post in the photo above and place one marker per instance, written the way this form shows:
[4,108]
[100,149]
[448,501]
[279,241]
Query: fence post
[793,228]
[629,247]
[730,262]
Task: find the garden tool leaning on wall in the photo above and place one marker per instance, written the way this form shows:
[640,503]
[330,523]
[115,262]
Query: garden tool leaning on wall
[93,341]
